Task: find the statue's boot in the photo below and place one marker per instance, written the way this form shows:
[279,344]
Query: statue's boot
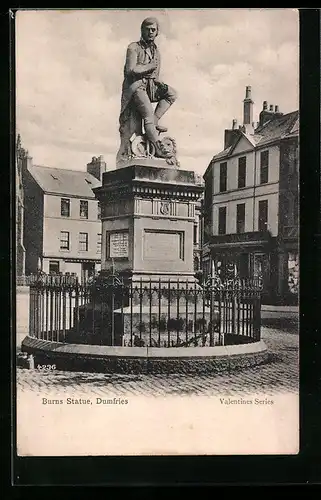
[153,136]
[160,110]
[150,131]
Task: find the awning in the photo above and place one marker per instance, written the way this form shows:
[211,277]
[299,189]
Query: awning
[81,261]
[239,245]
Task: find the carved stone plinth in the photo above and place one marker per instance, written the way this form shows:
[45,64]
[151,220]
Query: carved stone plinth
[148,215]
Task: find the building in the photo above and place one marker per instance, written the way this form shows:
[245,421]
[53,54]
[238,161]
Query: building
[20,249]
[251,203]
[198,233]
[62,228]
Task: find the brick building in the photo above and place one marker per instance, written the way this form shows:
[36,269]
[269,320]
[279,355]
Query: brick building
[251,203]
[62,227]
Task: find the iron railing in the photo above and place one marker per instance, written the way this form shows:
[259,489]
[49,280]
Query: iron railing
[31,279]
[108,311]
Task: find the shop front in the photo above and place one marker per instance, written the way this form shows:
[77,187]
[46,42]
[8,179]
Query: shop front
[293,273]
[253,256]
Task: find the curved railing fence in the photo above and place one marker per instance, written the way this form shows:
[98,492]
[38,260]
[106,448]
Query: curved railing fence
[109,311]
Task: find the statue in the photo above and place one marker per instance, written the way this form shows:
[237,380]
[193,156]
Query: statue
[138,122]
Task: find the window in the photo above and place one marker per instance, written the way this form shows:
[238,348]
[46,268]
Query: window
[98,210]
[98,243]
[242,172]
[223,176]
[65,207]
[294,163]
[195,234]
[222,220]
[83,242]
[264,167]
[64,240]
[240,218]
[208,206]
[54,267]
[83,211]
[295,209]
[289,211]
[263,215]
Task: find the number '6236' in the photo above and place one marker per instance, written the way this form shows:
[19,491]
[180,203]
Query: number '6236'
[46,367]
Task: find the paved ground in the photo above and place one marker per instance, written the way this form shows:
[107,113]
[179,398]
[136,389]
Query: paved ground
[279,376]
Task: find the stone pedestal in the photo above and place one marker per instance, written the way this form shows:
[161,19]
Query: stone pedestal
[148,215]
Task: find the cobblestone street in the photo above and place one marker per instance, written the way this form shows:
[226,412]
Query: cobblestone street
[281,375]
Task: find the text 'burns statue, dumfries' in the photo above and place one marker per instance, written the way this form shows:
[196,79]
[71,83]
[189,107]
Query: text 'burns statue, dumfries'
[139,123]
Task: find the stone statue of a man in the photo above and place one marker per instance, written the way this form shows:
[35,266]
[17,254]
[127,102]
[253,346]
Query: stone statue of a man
[142,87]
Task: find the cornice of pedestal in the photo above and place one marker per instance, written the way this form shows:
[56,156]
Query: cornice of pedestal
[149,182]
[145,189]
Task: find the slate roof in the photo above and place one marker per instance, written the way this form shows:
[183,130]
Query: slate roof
[277,128]
[223,153]
[62,181]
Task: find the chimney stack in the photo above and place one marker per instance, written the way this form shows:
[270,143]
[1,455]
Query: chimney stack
[269,114]
[234,124]
[248,107]
[96,167]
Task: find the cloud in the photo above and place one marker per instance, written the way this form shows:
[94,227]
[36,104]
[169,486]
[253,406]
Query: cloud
[70,68]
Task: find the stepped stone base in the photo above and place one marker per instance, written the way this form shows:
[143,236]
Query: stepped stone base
[146,360]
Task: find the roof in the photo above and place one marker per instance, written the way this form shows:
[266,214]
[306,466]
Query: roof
[279,127]
[62,181]
[223,153]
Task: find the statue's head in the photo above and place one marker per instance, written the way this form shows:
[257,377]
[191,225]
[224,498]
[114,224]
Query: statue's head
[149,29]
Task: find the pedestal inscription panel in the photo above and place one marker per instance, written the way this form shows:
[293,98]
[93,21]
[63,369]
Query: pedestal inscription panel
[118,245]
[163,245]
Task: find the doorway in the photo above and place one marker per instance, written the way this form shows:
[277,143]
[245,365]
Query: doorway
[87,270]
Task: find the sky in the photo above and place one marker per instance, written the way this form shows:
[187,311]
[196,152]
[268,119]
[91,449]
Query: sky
[69,72]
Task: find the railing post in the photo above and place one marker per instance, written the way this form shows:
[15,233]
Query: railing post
[150,312]
[131,296]
[257,317]
[112,306]
[64,305]
[195,315]
[159,310]
[140,308]
[31,312]
[177,314]
[168,313]
[186,313]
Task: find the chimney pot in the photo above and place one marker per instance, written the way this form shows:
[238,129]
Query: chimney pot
[265,105]
[247,107]
[234,124]
[271,107]
[276,109]
[97,166]
[248,92]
